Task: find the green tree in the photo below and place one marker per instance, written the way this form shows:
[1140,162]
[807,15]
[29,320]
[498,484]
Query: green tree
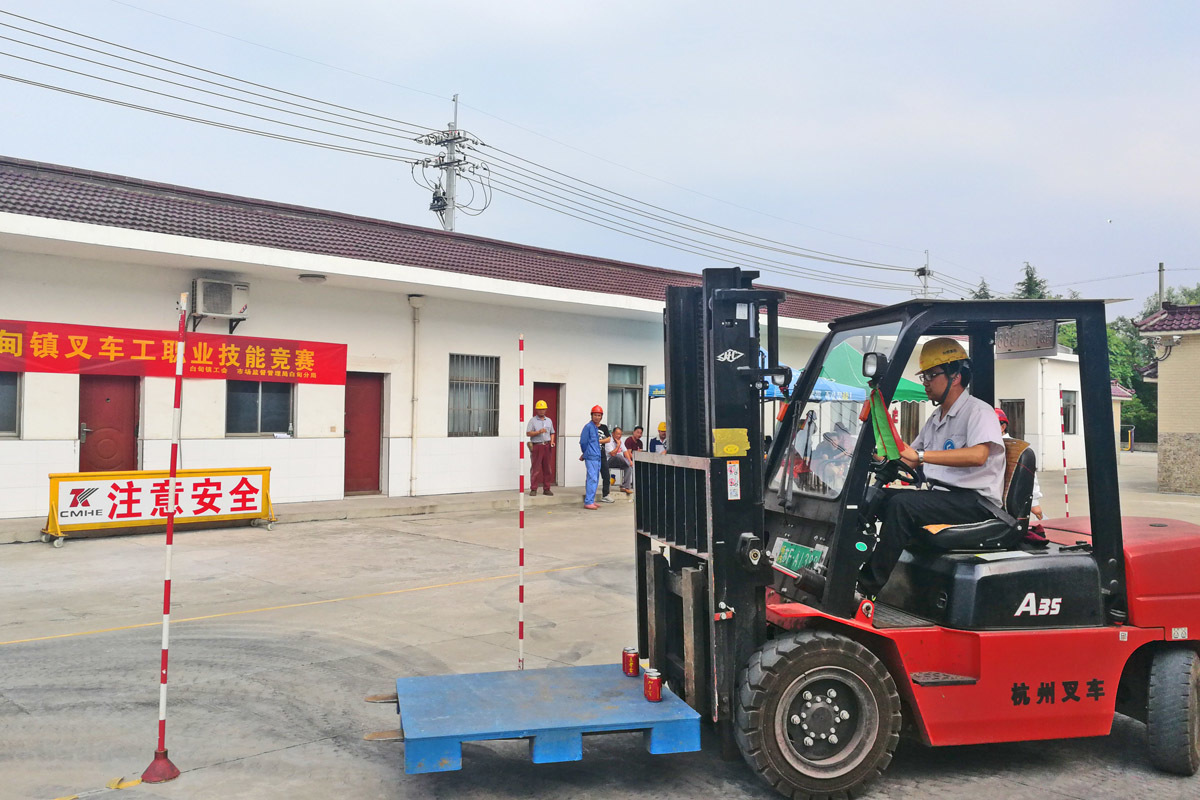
[983,292]
[1031,286]
[1176,295]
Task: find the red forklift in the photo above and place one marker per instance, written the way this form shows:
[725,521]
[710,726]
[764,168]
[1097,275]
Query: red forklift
[747,565]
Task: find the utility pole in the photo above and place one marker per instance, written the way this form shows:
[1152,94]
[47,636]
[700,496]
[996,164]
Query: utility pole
[444,195]
[1162,296]
[923,273]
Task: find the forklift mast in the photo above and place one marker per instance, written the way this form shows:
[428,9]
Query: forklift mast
[701,563]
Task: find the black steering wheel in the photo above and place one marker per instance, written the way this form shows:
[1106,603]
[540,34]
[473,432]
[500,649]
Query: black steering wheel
[888,471]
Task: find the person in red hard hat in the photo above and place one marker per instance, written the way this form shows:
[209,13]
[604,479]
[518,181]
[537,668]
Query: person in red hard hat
[1037,488]
[591,455]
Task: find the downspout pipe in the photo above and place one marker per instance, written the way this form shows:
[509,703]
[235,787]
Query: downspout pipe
[1041,400]
[416,302]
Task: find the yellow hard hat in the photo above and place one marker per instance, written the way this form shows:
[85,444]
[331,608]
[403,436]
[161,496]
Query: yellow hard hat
[540,404]
[940,351]
[662,426]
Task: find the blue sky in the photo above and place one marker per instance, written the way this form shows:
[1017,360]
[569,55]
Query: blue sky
[1063,134]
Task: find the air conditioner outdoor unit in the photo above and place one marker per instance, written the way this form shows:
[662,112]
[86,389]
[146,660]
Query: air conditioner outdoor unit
[220,299]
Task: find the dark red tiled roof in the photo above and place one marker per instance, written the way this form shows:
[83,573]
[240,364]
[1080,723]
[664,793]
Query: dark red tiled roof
[1149,372]
[1119,392]
[75,195]
[1171,318]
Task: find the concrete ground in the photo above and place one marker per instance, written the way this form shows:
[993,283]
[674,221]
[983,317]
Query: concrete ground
[277,637]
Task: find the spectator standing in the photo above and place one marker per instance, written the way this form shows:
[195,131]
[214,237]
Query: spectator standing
[605,484]
[591,455]
[617,457]
[659,445]
[542,440]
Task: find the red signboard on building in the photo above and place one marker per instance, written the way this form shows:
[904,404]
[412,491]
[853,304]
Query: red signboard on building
[89,350]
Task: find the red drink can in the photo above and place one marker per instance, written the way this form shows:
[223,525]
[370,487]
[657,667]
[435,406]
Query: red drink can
[629,662]
[652,686]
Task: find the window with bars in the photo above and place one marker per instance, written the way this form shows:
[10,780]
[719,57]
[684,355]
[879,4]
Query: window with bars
[1069,402]
[624,396]
[257,408]
[10,409]
[474,396]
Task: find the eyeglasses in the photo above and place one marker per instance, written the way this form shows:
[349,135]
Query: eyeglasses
[927,377]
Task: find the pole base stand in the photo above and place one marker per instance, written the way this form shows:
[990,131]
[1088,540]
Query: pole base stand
[161,769]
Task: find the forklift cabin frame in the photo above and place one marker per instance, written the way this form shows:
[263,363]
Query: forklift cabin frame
[704,528]
[977,321]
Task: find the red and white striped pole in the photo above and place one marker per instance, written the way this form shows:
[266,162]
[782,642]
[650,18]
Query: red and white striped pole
[521,507]
[1062,427]
[161,769]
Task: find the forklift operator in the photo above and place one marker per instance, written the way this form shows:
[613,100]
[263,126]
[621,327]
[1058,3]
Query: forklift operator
[961,449]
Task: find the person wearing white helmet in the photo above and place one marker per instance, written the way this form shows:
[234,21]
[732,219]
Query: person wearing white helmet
[961,448]
[542,440]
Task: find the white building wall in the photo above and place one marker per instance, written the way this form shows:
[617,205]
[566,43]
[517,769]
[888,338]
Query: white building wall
[572,350]
[1037,381]
[569,347]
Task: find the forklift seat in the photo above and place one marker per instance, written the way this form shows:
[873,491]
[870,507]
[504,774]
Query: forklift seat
[993,534]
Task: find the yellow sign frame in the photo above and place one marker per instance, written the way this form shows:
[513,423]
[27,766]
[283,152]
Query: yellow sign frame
[58,530]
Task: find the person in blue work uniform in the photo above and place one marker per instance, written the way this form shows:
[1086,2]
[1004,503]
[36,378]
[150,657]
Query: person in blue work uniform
[659,445]
[591,455]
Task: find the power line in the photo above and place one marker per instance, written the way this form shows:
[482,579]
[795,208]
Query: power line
[208,71]
[506,122]
[708,247]
[180,85]
[213,123]
[641,231]
[792,248]
[406,134]
[1109,278]
[685,244]
[709,229]
[594,197]
[655,241]
[217,108]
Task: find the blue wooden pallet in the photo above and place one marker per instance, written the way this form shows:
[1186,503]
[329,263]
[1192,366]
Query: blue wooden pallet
[552,708]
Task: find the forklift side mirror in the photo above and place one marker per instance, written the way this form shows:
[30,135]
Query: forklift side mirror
[874,365]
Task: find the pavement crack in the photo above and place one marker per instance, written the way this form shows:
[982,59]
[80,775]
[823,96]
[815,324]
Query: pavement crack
[260,753]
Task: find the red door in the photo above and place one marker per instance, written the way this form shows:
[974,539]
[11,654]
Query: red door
[108,417]
[364,431]
[549,393]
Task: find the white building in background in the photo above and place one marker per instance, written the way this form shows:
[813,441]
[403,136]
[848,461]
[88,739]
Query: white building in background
[427,323]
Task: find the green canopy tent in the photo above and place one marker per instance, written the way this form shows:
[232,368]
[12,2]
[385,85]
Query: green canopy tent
[844,365]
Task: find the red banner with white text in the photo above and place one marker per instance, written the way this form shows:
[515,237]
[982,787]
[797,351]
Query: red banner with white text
[90,350]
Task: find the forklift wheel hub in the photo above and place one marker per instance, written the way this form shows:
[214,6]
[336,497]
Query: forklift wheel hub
[823,720]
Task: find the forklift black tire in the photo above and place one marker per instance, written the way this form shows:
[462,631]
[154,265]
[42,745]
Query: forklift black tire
[1173,713]
[796,683]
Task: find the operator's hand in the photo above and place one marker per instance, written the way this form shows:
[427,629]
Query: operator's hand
[909,456]
[1037,512]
